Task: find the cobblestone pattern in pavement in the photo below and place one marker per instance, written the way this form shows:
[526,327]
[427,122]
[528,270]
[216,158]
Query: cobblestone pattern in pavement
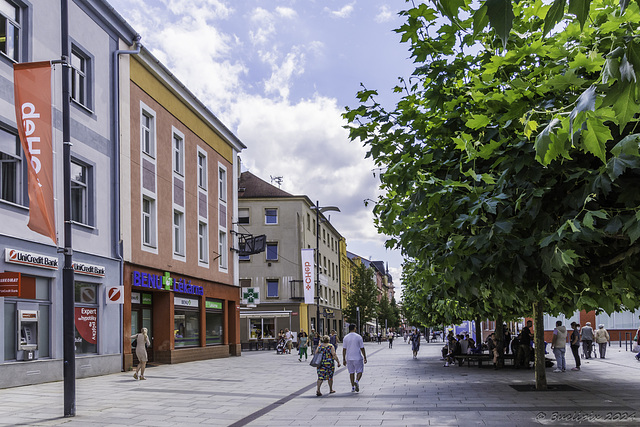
[265,389]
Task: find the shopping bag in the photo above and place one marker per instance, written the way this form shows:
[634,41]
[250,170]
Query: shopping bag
[316,360]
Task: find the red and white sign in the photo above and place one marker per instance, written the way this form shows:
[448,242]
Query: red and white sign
[308,276]
[9,284]
[16,256]
[32,88]
[87,324]
[115,295]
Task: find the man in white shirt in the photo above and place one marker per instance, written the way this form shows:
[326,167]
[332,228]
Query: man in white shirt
[354,356]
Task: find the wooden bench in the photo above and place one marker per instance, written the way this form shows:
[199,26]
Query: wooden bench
[475,358]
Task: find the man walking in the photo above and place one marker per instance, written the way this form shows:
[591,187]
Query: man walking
[354,356]
[587,340]
[575,345]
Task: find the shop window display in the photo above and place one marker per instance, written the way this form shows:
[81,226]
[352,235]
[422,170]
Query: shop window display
[186,328]
[262,329]
[214,328]
[86,318]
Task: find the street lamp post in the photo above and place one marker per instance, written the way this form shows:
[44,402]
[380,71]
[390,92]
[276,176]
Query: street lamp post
[319,210]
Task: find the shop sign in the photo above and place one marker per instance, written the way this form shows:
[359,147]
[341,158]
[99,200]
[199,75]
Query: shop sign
[135,297]
[28,258]
[115,294]
[185,302]
[86,323]
[146,299]
[165,282]
[9,284]
[88,269]
[213,304]
[251,295]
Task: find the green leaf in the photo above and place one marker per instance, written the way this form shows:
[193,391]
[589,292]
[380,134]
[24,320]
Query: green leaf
[449,8]
[626,105]
[554,15]
[595,138]
[480,20]
[629,145]
[586,102]
[501,16]
[478,121]
[543,144]
[623,5]
[580,8]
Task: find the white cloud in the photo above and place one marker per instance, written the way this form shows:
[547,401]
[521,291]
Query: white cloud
[384,15]
[286,12]
[280,80]
[263,20]
[206,9]
[343,12]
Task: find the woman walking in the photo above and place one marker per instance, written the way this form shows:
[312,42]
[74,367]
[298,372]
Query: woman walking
[303,342]
[415,342]
[142,342]
[601,337]
[326,368]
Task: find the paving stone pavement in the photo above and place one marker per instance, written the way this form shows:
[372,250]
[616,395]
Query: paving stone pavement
[264,389]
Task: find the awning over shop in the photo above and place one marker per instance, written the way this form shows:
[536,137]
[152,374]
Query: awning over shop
[262,314]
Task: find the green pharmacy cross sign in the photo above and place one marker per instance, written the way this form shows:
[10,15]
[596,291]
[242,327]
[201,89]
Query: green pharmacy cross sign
[251,296]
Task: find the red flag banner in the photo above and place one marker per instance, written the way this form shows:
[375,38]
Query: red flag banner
[32,84]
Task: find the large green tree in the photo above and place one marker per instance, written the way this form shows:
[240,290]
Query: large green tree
[363,296]
[512,159]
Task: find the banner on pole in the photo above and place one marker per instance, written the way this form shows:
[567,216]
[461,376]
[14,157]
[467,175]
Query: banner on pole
[308,275]
[32,88]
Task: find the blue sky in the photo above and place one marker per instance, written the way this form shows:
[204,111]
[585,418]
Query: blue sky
[279,74]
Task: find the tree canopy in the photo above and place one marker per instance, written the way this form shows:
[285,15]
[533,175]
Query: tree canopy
[512,160]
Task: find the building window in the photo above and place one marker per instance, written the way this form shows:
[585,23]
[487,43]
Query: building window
[178,233]
[86,318]
[79,193]
[148,133]
[149,222]
[222,184]
[272,288]
[243,216]
[178,154]
[214,322]
[10,168]
[244,257]
[222,244]
[186,323]
[308,222]
[272,251]
[80,77]
[203,243]
[202,170]
[10,29]
[271,216]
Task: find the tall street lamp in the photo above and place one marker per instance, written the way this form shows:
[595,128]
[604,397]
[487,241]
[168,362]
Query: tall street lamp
[319,210]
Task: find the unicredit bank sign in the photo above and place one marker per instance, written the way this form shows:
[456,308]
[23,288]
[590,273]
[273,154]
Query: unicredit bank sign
[15,256]
[166,282]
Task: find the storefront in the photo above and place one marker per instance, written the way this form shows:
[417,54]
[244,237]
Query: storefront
[259,329]
[186,318]
[31,309]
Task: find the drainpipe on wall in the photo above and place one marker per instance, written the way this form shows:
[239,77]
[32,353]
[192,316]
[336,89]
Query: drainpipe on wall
[116,156]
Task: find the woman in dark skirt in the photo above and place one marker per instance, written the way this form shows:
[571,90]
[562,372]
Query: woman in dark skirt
[326,368]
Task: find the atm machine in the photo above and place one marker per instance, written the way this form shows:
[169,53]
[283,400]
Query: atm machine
[28,334]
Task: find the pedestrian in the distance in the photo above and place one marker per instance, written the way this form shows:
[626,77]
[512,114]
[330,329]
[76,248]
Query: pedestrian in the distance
[333,340]
[315,341]
[415,342]
[303,342]
[574,341]
[602,339]
[326,368]
[587,340]
[353,356]
[637,340]
[288,339]
[390,339]
[559,345]
[142,342]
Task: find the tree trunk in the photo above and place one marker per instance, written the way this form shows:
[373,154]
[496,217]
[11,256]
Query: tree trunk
[499,336]
[478,331]
[540,369]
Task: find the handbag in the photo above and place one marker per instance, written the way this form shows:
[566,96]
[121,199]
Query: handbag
[636,348]
[316,360]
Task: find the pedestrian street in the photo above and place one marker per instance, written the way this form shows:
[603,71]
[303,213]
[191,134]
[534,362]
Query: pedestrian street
[261,388]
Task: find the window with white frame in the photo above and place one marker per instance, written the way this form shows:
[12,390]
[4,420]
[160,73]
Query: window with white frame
[178,153]
[11,172]
[79,193]
[203,243]
[148,222]
[270,216]
[272,251]
[80,77]
[222,247]
[148,133]
[222,184]
[272,288]
[202,170]
[10,29]
[178,233]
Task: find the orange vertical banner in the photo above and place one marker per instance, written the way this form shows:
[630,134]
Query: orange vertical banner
[32,84]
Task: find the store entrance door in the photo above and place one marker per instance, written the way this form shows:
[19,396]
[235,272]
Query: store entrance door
[141,318]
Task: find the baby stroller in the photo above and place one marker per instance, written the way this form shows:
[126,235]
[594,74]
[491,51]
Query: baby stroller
[280,347]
